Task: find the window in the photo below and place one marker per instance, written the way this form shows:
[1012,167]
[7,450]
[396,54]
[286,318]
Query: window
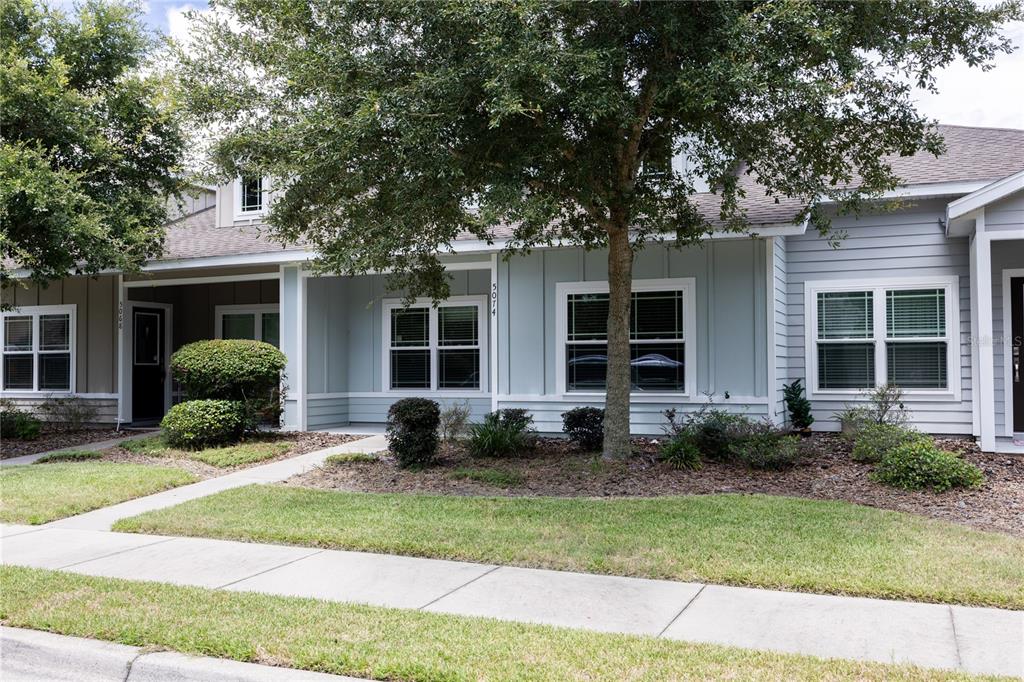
[38,349]
[661,359]
[250,196]
[898,332]
[430,348]
[258,323]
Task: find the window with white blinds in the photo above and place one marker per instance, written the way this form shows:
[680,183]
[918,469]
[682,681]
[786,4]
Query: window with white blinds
[434,348]
[660,358]
[38,349]
[869,335]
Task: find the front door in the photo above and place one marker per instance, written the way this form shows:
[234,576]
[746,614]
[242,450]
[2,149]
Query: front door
[148,369]
[1017,351]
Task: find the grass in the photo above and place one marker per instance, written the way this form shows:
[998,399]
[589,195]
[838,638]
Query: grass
[42,493]
[230,456]
[499,478]
[385,643]
[351,458]
[69,456]
[765,541]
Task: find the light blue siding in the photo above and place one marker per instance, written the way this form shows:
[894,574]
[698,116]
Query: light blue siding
[906,243]
[780,327]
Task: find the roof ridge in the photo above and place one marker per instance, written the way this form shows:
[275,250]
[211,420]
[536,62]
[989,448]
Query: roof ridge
[958,125]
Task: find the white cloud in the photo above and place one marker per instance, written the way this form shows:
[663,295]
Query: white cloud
[179,25]
[970,96]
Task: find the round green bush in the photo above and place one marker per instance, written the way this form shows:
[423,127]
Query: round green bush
[585,427]
[197,424]
[918,465]
[228,369]
[875,441]
[412,431]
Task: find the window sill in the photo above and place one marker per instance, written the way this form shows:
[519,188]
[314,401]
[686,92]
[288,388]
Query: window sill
[857,396]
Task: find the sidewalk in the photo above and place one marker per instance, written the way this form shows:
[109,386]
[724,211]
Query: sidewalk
[976,640]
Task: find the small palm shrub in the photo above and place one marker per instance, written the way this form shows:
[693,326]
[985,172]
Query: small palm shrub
[412,431]
[18,425]
[765,447]
[919,465]
[682,451]
[798,405]
[875,441]
[196,424]
[503,433]
[585,427]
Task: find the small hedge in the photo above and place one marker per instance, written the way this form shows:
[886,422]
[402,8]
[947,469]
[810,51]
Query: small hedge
[585,427]
[196,424]
[412,431]
[919,465]
[875,441]
[234,369]
[766,447]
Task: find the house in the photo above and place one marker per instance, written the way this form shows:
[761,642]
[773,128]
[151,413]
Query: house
[929,295]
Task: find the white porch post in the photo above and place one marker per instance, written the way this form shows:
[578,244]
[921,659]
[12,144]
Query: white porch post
[981,253]
[492,308]
[293,340]
[122,379]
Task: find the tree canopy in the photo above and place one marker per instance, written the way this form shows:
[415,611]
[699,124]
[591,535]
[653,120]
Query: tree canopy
[90,142]
[395,127]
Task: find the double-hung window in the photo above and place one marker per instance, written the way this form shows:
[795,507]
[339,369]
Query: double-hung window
[435,348]
[250,196]
[900,332]
[256,322]
[38,349]
[660,330]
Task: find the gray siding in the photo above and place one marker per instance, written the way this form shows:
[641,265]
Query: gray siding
[906,243]
[1006,255]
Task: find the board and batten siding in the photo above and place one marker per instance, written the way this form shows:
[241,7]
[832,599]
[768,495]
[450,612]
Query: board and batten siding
[1007,214]
[95,301]
[344,347]
[779,327]
[730,335]
[905,243]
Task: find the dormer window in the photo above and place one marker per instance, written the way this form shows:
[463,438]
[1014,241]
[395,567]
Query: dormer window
[250,197]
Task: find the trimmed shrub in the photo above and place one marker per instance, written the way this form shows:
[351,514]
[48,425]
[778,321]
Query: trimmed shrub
[918,465]
[196,424]
[585,427]
[875,441]
[765,447]
[798,405]
[682,452]
[235,369]
[412,431]
[18,425]
[502,434]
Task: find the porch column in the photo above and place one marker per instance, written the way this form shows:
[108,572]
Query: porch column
[293,341]
[122,359]
[984,372]
[492,314]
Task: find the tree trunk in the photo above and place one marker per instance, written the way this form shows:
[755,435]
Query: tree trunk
[620,290]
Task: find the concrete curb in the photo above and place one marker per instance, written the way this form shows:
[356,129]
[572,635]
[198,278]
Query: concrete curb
[34,656]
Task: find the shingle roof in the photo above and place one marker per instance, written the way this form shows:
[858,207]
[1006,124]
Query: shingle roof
[972,154]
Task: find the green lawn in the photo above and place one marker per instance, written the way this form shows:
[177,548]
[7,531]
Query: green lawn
[231,456]
[38,493]
[383,643]
[775,542]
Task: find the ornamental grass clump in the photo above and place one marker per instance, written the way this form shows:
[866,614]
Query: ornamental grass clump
[503,433]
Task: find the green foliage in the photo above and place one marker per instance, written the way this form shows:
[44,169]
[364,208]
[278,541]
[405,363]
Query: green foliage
[765,447]
[151,445]
[918,465]
[852,419]
[504,433]
[412,431]
[884,406]
[682,451]
[91,141]
[798,405]
[352,458]
[69,456]
[196,424]
[499,478]
[712,429]
[17,424]
[875,441]
[585,427]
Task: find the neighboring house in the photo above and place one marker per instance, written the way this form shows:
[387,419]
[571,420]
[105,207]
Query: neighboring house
[903,298]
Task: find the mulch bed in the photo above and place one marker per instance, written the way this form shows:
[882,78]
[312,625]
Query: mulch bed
[556,468]
[303,442]
[55,440]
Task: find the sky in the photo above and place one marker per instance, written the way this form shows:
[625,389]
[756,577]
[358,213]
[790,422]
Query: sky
[966,96]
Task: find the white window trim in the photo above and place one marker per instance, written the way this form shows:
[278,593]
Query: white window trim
[243,309]
[686,285]
[236,192]
[390,304]
[879,287]
[35,312]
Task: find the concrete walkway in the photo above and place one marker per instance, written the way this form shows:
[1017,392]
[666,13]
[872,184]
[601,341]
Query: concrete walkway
[976,640]
[87,447]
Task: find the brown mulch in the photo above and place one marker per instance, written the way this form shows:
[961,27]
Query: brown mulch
[303,442]
[55,440]
[556,468]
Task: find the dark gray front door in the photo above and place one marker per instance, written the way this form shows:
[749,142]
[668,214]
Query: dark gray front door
[148,368]
[1017,351]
